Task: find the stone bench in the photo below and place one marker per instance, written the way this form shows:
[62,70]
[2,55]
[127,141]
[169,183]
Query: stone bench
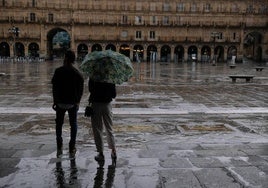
[259,68]
[232,66]
[248,78]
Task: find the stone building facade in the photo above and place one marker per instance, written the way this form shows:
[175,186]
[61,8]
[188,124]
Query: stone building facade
[144,30]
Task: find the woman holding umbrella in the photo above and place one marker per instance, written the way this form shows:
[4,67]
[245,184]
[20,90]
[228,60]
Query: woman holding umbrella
[105,69]
[101,95]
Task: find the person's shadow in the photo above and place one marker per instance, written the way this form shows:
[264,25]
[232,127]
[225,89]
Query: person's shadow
[99,178]
[60,175]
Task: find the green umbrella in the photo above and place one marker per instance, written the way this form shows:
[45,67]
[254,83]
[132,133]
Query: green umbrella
[107,66]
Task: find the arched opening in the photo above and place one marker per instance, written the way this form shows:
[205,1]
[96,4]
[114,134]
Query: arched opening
[4,49]
[82,51]
[219,54]
[33,50]
[19,49]
[58,41]
[138,53]
[96,47]
[151,53]
[232,51]
[111,47]
[252,43]
[205,54]
[165,53]
[179,54]
[192,53]
[124,49]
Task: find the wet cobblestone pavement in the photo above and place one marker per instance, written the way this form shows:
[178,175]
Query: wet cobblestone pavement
[176,125]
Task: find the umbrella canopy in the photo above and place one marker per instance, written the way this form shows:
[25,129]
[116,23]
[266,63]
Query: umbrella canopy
[107,66]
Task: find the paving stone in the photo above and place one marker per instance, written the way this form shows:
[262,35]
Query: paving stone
[216,152]
[206,162]
[178,178]
[216,178]
[250,176]
[175,163]
[141,178]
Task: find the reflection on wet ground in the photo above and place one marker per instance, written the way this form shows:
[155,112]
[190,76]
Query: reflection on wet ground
[172,122]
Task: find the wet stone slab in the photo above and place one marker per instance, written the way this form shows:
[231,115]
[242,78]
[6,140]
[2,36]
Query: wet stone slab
[216,178]
[171,178]
[250,176]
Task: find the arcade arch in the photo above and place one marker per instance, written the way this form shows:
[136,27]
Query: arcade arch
[252,46]
[138,53]
[4,49]
[125,49]
[33,50]
[165,54]
[82,51]
[58,41]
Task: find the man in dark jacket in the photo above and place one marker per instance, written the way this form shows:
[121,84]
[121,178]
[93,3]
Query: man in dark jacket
[68,85]
[101,95]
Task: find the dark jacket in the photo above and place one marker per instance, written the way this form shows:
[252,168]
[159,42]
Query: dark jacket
[101,92]
[68,85]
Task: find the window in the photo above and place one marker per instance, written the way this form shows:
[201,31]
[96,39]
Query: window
[234,8]
[207,7]
[3,3]
[234,36]
[33,3]
[152,35]
[250,9]
[124,19]
[193,7]
[152,7]
[50,18]
[138,20]
[220,36]
[263,9]
[180,7]
[138,34]
[166,7]
[165,20]
[153,20]
[138,6]
[32,17]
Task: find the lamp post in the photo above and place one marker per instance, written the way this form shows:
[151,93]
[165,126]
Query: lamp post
[214,35]
[15,33]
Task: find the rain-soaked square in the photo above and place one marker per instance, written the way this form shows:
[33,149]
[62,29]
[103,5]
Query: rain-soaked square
[175,124]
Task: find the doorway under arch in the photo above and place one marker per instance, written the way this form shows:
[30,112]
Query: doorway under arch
[58,41]
[252,45]
[151,53]
[82,51]
[4,49]
[192,53]
[179,53]
[205,54]
[19,49]
[33,50]
[96,47]
[138,53]
[124,49]
[165,54]
[110,47]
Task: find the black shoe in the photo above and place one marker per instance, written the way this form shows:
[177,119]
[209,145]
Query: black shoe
[72,151]
[114,158]
[100,157]
[59,152]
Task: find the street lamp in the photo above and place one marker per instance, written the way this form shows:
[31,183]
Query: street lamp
[15,33]
[214,35]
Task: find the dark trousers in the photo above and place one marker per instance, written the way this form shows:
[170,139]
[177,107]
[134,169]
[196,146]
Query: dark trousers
[60,113]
